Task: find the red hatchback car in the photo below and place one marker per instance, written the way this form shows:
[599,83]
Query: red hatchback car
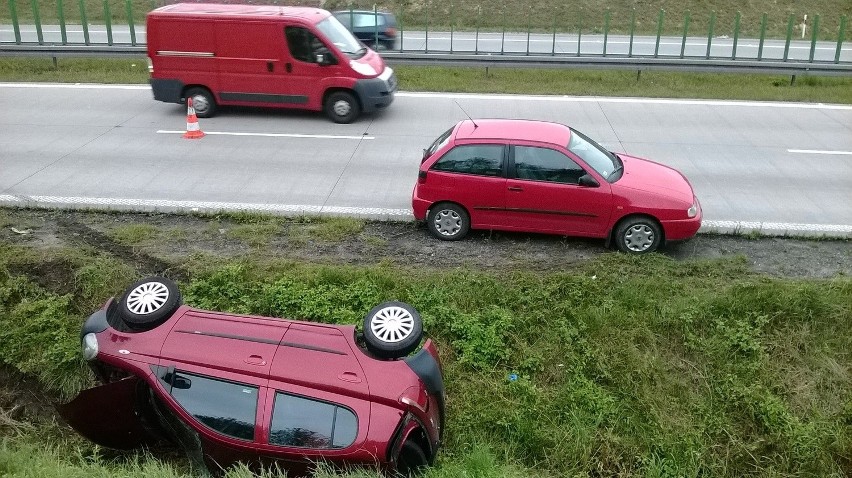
[535,176]
[230,388]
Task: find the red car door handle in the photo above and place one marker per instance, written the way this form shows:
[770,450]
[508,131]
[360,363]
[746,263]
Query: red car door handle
[515,188]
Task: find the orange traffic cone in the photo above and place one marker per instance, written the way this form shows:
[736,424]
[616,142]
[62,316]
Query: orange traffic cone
[193,131]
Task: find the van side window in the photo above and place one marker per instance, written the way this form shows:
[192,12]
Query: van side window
[302,44]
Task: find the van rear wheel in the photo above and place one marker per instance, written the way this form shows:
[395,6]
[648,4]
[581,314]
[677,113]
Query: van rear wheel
[202,101]
[342,107]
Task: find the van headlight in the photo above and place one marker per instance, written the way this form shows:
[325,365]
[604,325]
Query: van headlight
[692,211]
[90,346]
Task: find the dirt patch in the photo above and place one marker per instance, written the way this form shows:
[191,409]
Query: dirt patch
[158,243]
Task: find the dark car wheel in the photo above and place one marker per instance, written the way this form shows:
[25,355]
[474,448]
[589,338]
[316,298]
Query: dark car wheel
[638,235]
[203,102]
[388,44]
[411,460]
[149,302]
[342,107]
[448,222]
[392,330]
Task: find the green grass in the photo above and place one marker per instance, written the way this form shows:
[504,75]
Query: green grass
[135,234]
[627,366]
[538,15]
[498,80]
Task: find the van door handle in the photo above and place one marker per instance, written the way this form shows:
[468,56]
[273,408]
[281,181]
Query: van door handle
[289,67]
[515,188]
[269,66]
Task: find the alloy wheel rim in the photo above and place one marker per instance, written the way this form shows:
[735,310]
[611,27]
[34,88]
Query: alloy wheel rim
[448,222]
[392,324]
[342,108]
[200,104]
[639,238]
[147,298]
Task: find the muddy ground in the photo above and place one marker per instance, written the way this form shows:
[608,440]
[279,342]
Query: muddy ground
[156,242]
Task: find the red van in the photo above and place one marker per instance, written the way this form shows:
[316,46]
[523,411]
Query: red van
[263,55]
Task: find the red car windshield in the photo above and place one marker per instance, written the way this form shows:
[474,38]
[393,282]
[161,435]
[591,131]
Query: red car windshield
[605,163]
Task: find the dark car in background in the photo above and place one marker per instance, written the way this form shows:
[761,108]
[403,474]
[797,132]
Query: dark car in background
[375,29]
[259,390]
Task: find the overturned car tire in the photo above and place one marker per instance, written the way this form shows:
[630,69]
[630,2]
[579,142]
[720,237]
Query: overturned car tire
[392,330]
[149,302]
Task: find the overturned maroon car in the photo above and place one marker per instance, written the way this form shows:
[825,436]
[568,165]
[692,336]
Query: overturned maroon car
[231,388]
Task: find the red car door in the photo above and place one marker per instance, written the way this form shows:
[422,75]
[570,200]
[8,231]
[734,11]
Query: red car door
[472,175]
[543,194]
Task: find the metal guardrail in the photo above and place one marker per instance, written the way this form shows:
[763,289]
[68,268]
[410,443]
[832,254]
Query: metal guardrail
[499,60]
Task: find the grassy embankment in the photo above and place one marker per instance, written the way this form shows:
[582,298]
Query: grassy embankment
[627,366]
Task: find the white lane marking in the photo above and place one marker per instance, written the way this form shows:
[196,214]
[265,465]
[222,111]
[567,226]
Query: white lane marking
[507,97]
[817,151]
[274,135]
[210,206]
[389,213]
[775,227]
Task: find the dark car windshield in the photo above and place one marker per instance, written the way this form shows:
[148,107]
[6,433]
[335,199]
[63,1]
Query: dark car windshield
[342,38]
[605,163]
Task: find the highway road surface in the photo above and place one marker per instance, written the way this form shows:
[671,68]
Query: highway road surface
[776,167]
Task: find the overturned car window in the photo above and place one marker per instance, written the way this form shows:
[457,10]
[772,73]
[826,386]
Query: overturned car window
[301,422]
[226,407]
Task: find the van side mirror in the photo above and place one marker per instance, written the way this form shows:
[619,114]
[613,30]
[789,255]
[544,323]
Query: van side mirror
[588,181]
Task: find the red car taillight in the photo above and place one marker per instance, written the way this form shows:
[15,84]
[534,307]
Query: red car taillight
[391,32]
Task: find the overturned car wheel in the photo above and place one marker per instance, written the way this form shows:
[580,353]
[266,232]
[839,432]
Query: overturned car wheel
[149,302]
[392,330]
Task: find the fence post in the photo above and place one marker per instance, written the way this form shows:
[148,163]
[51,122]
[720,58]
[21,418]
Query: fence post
[553,50]
[399,23]
[376,25]
[503,38]
[632,30]
[13,10]
[130,22]
[37,19]
[529,27]
[736,36]
[108,22]
[789,36]
[762,37]
[686,19]
[452,23]
[710,33]
[84,21]
[60,11]
[659,32]
[427,27]
[840,37]
[814,33]
[580,33]
[478,23]
[606,29]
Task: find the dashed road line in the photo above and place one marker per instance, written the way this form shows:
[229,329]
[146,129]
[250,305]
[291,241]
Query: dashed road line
[274,135]
[818,151]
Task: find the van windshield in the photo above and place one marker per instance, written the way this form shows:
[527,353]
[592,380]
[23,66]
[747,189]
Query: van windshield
[342,39]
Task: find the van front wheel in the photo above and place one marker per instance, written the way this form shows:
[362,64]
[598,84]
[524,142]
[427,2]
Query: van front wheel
[342,107]
[203,102]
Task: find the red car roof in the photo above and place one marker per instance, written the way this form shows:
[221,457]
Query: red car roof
[512,129]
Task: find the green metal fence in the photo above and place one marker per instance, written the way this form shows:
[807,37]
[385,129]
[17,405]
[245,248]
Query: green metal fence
[29,19]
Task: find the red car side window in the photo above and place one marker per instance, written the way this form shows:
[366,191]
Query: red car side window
[478,159]
[305,423]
